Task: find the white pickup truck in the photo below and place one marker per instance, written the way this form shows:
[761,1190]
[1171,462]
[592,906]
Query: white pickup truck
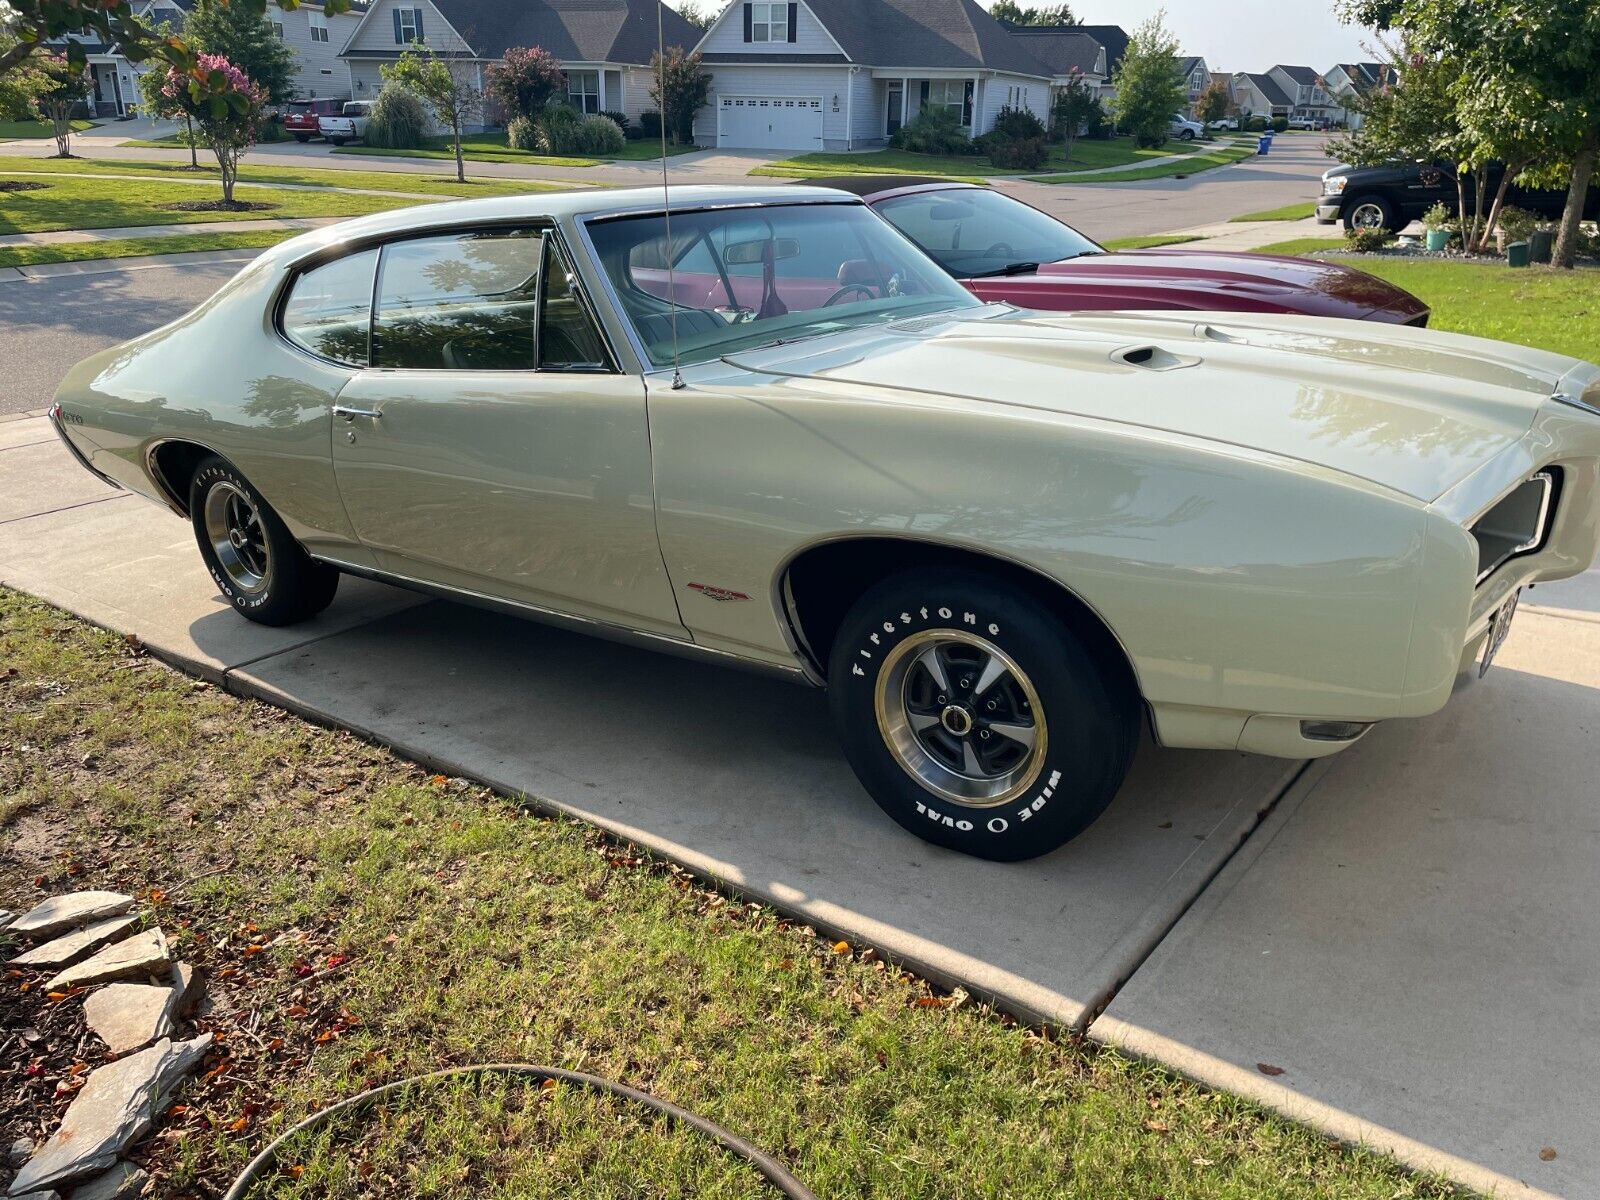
[349,126]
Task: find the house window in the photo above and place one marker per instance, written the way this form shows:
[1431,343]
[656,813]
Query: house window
[407,26]
[277,30]
[769,22]
[583,90]
[1198,80]
[948,94]
[319,25]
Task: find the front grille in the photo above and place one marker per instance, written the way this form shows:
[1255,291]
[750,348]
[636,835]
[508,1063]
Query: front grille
[1518,524]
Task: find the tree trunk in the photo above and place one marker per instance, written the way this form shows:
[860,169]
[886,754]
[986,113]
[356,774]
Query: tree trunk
[1066,155]
[61,128]
[1468,230]
[1499,203]
[1582,171]
[461,170]
[194,158]
[228,168]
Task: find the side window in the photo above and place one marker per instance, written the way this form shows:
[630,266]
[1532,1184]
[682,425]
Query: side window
[458,302]
[329,308]
[568,337]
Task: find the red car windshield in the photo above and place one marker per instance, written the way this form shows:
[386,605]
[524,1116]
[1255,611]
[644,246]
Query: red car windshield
[972,232]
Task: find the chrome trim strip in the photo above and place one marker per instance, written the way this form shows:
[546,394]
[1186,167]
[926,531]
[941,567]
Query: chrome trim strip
[1540,526]
[1574,387]
[54,417]
[593,627]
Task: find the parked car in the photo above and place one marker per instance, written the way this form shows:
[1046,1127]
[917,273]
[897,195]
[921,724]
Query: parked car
[1304,123]
[1226,123]
[349,126]
[1002,249]
[1392,196]
[780,435]
[301,117]
[1184,129]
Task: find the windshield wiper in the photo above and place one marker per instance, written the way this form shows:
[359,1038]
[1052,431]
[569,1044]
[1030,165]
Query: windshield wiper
[1016,268]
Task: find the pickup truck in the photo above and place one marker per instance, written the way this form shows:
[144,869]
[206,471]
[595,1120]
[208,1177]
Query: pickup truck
[1391,197]
[300,117]
[1185,130]
[348,126]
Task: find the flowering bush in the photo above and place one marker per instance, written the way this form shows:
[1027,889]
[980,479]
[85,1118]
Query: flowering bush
[226,108]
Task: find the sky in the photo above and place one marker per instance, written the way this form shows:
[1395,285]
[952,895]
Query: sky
[1234,35]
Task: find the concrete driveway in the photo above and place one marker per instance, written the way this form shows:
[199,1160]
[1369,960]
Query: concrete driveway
[1410,933]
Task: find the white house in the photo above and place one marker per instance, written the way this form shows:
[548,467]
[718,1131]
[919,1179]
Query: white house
[845,74]
[1257,95]
[1345,81]
[316,37]
[604,46]
[1069,52]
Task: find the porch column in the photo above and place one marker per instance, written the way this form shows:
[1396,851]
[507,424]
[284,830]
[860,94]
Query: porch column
[905,104]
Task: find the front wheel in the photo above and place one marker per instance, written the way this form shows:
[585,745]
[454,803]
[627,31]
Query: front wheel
[302,138]
[253,558]
[1187,135]
[1372,212]
[977,717]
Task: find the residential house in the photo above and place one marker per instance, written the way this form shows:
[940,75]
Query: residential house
[1069,53]
[115,80]
[1345,81]
[1260,96]
[1195,75]
[316,37]
[1307,91]
[845,74]
[604,46]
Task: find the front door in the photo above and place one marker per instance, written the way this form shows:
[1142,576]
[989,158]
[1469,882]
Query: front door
[492,446]
[897,108]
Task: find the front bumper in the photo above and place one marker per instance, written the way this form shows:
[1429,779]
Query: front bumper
[1328,214]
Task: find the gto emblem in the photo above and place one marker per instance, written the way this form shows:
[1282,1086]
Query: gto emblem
[712,592]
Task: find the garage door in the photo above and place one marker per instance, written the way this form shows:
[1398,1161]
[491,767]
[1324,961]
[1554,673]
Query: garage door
[771,122]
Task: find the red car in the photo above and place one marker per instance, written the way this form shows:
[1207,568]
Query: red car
[300,116]
[1002,249]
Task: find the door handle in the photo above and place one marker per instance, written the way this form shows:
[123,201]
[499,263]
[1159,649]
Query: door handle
[350,414]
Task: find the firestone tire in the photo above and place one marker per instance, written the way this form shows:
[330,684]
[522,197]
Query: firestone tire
[253,559]
[977,717]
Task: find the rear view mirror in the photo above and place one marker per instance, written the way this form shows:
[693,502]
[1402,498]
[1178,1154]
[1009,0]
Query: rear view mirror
[950,211]
[744,253]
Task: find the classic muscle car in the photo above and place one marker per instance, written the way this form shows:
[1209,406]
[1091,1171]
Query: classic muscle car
[778,434]
[1002,249]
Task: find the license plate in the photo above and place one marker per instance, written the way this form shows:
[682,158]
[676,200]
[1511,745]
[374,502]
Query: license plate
[1499,627]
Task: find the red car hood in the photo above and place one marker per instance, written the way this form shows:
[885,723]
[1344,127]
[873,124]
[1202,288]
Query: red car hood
[1201,280]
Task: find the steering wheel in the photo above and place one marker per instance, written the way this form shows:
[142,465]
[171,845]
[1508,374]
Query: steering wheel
[1000,248]
[849,289]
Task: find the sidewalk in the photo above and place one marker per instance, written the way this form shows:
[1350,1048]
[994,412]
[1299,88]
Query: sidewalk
[56,237]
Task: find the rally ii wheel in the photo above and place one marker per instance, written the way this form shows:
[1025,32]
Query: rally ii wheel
[977,716]
[253,559]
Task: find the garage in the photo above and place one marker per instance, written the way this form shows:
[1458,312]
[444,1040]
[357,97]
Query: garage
[770,122]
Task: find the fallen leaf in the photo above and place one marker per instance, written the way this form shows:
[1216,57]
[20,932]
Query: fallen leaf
[931,1002]
[1269,1069]
[295,1170]
[841,947]
[1547,1154]
[239,1126]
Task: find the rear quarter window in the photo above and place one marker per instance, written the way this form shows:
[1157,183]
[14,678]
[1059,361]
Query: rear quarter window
[329,309]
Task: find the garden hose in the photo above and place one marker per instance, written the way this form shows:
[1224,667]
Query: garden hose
[769,1168]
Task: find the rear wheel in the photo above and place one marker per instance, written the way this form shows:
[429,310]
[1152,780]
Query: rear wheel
[302,138]
[976,717]
[1372,212]
[337,141]
[254,560]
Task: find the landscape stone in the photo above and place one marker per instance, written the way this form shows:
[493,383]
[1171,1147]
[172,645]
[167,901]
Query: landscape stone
[71,946]
[123,1182]
[20,1152]
[40,1196]
[65,912]
[126,1016]
[142,954]
[114,1109]
[6,917]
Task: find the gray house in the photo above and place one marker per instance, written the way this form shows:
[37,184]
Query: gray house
[604,45]
[1258,95]
[845,74]
[316,37]
[1307,92]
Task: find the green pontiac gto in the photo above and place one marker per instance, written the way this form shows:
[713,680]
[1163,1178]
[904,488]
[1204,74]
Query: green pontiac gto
[764,427]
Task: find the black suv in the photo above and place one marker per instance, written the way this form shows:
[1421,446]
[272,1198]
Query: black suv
[1391,197]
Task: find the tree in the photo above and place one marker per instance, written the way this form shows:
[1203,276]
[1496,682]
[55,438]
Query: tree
[1074,105]
[245,38]
[1213,103]
[157,103]
[62,88]
[1013,13]
[524,82]
[226,111]
[679,89]
[21,87]
[1149,89]
[451,94]
[700,18]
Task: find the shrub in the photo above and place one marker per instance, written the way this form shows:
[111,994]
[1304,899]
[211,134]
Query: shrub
[650,122]
[1019,154]
[1367,241]
[1014,123]
[933,131]
[621,120]
[580,135]
[1516,223]
[398,119]
[522,133]
[523,82]
[1280,124]
[1436,217]
[1099,125]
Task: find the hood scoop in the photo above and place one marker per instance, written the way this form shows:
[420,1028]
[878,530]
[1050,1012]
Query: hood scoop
[1152,358]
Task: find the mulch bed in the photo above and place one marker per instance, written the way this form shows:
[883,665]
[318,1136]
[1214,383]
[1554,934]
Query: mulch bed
[21,185]
[218,206]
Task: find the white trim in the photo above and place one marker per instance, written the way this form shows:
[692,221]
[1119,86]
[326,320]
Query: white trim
[374,7]
[728,9]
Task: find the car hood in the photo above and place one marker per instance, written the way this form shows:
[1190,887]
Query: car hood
[1208,280]
[1410,410]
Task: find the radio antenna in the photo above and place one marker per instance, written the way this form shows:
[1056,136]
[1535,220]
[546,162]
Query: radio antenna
[666,195]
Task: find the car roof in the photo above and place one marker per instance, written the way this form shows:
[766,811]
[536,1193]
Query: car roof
[876,187]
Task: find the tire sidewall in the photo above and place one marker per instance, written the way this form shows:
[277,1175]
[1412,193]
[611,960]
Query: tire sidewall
[1089,723]
[251,604]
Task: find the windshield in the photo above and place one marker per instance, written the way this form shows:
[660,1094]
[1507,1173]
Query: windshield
[755,276]
[973,231]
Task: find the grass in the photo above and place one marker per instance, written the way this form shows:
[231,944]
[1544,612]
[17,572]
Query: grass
[492,147]
[429,183]
[1087,154]
[86,202]
[10,130]
[184,243]
[1193,164]
[357,920]
[1532,306]
[1151,241]
[1289,212]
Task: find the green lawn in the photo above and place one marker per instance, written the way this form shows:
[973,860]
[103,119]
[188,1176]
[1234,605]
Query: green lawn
[1533,306]
[1151,241]
[1201,160]
[491,147]
[17,130]
[358,920]
[85,202]
[1289,212]
[430,183]
[182,243]
[1087,154]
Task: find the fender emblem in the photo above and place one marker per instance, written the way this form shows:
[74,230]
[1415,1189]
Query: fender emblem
[712,592]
